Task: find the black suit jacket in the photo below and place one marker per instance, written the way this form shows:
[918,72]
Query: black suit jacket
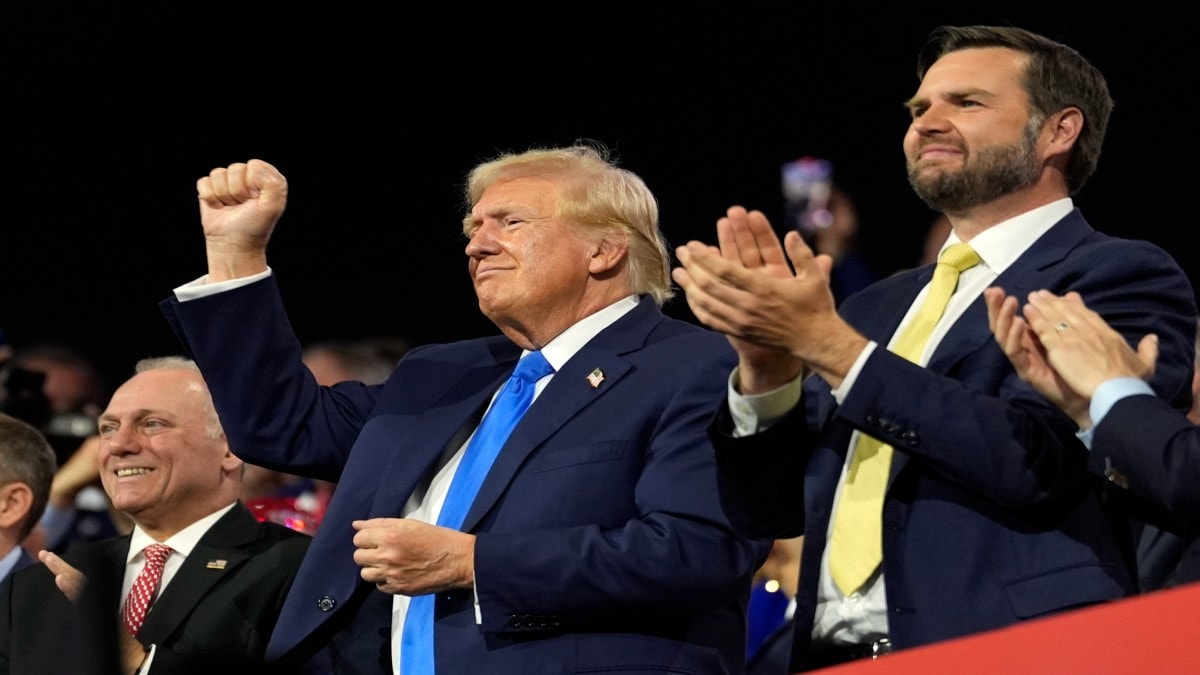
[993,513]
[215,616]
[23,560]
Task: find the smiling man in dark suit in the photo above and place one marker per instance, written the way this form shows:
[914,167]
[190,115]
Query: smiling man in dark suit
[164,460]
[985,511]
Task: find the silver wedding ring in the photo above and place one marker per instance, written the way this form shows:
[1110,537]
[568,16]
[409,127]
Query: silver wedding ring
[1062,325]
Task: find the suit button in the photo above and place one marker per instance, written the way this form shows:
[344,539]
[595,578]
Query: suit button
[1114,476]
[326,603]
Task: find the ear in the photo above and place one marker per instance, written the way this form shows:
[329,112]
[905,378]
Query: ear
[15,499]
[1062,129]
[607,255]
[230,463]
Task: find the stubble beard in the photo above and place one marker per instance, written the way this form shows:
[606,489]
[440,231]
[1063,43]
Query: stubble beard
[988,175]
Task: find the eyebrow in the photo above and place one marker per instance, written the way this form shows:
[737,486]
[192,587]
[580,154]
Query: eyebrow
[954,95]
[137,414]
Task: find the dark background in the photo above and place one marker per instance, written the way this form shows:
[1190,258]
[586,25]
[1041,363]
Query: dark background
[375,116]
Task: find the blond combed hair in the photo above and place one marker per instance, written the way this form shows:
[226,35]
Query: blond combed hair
[597,196]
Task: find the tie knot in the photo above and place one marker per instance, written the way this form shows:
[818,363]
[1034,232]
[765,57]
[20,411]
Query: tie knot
[533,367]
[156,553]
[959,256]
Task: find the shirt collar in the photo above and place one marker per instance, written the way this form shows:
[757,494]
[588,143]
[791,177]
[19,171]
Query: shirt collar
[560,350]
[1001,244]
[181,542]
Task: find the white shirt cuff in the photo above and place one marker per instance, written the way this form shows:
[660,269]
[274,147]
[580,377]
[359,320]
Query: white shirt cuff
[840,393]
[200,288]
[753,413]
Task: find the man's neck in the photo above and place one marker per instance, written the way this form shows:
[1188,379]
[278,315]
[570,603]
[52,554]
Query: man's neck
[540,330]
[969,222]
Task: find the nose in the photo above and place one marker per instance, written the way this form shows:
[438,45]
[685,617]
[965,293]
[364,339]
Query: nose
[483,240]
[932,120]
[122,441]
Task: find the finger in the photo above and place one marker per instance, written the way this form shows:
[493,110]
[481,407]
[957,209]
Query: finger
[717,289]
[1060,313]
[1071,309]
[239,189]
[680,276]
[205,193]
[371,575]
[799,253]
[1041,315]
[218,181]
[736,241]
[1147,352]
[1002,311]
[1018,339]
[259,175]
[765,240]
[52,561]
[1010,330]
[993,299]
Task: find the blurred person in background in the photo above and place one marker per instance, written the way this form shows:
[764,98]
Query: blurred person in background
[825,215]
[296,501]
[27,466]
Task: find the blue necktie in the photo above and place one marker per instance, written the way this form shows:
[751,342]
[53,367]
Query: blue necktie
[416,643]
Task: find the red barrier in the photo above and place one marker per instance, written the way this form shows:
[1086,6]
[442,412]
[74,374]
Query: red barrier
[1152,633]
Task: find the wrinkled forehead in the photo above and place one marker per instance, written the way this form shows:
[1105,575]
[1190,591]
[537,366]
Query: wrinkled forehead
[529,196]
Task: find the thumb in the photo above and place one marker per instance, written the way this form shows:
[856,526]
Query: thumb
[1147,352]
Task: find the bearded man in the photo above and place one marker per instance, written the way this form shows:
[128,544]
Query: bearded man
[977,504]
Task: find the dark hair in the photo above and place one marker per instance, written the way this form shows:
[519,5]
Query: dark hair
[1057,77]
[26,457]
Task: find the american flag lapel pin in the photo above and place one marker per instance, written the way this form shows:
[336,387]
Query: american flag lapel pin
[595,377]
[217,564]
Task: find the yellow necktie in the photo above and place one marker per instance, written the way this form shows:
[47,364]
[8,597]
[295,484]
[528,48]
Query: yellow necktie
[856,546]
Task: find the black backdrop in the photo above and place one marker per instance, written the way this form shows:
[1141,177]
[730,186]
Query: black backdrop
[375,116]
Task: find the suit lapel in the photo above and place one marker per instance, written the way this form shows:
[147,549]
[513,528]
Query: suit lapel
[446,423]
[568,392]
[1025,274]
[971,331]
[218,553]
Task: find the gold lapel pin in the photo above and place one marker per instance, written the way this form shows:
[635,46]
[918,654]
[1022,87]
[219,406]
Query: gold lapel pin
[217,564]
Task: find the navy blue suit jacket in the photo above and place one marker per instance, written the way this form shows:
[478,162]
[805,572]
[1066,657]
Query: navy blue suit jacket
[600,539]
[1155,451]
[992,514]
